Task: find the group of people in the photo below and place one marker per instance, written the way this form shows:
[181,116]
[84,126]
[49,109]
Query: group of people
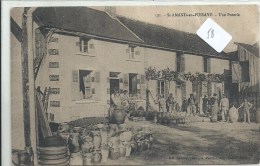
[212,106]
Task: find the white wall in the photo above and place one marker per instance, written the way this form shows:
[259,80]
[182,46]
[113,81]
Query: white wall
[219,65]
[106,57]
[193,63]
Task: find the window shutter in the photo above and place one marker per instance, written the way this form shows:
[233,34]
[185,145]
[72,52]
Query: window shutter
[137,52]
[97,95]
[126,82]
[143,87]
[209,65]
[236,72]
[138,84]
[127,51]
[121,83]
[91,46]
[75,86]
[182,67]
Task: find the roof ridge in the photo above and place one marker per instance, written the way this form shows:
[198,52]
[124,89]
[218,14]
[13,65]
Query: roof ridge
[156,25]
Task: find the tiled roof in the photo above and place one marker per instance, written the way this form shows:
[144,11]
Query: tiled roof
[84,20]
[159,36]
[254,49]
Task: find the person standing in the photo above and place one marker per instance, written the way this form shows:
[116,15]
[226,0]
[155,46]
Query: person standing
[224,105]
[192,105]
[205,105]
[246,110]
[214,108]
[170,103]
[116,99]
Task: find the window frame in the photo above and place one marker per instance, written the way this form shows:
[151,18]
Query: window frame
[159,87]
[131,52]
[84,43]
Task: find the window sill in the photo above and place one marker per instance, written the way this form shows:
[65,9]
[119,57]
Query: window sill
[86,54]
[85,101]
[133,60]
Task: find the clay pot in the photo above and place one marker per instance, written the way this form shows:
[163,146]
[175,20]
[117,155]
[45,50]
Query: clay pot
[104,137]
[74,142]
[125,136]
[128,149]
[233,115]
[122,150]
[76,129]
[21,157]
[76,159]
[118,117]
[114,153]
[134,147]
[96,139]
[104,153]
[97,156]
[87,159]
[87,146]
[64,127]
[113,141]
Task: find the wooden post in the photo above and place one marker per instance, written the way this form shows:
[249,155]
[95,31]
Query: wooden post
[29,108]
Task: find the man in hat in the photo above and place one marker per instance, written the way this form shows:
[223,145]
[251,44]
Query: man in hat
[192,104]
[170,103]
[116,99]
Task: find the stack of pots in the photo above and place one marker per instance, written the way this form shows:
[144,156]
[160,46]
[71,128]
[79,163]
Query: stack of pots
[53,155]
[90,148]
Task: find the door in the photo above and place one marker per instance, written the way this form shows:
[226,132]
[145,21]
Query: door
[114,84]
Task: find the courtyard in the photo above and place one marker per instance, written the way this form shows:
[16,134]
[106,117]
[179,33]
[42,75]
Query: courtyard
[198,143]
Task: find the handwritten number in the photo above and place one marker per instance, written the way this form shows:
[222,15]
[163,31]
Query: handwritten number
[210,33]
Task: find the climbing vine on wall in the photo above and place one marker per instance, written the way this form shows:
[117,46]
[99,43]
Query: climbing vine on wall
[167,74]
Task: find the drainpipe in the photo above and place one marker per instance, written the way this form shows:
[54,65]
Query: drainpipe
[29,97]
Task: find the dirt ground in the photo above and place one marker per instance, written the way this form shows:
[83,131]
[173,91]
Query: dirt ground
[198,143]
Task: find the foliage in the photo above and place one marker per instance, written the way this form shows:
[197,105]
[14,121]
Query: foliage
[167,74]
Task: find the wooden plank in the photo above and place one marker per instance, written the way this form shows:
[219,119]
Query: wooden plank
[45,128]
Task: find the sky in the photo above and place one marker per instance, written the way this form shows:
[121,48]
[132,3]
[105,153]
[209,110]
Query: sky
[243,28]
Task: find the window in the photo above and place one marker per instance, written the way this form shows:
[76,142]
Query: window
[178,61]
[244,71]
[85,83]
[161,88]
[205,64]
[132,53]
[84,45]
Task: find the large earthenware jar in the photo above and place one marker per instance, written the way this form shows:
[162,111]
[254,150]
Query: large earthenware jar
[134,147]
[76,159]
[97,156]
[122,150]
[233,115]
[104,153]
[96,139]
[87,146]
[128,149]
[74,142]
[114,153]
[118,116]
[87,159]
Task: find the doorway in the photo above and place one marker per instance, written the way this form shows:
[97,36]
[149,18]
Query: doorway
[114,85]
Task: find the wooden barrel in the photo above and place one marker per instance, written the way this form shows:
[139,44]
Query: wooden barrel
[258,115]
[53,155]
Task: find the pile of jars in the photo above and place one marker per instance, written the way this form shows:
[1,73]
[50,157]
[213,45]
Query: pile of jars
[101,142]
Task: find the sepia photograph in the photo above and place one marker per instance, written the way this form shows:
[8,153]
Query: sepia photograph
[135,85]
